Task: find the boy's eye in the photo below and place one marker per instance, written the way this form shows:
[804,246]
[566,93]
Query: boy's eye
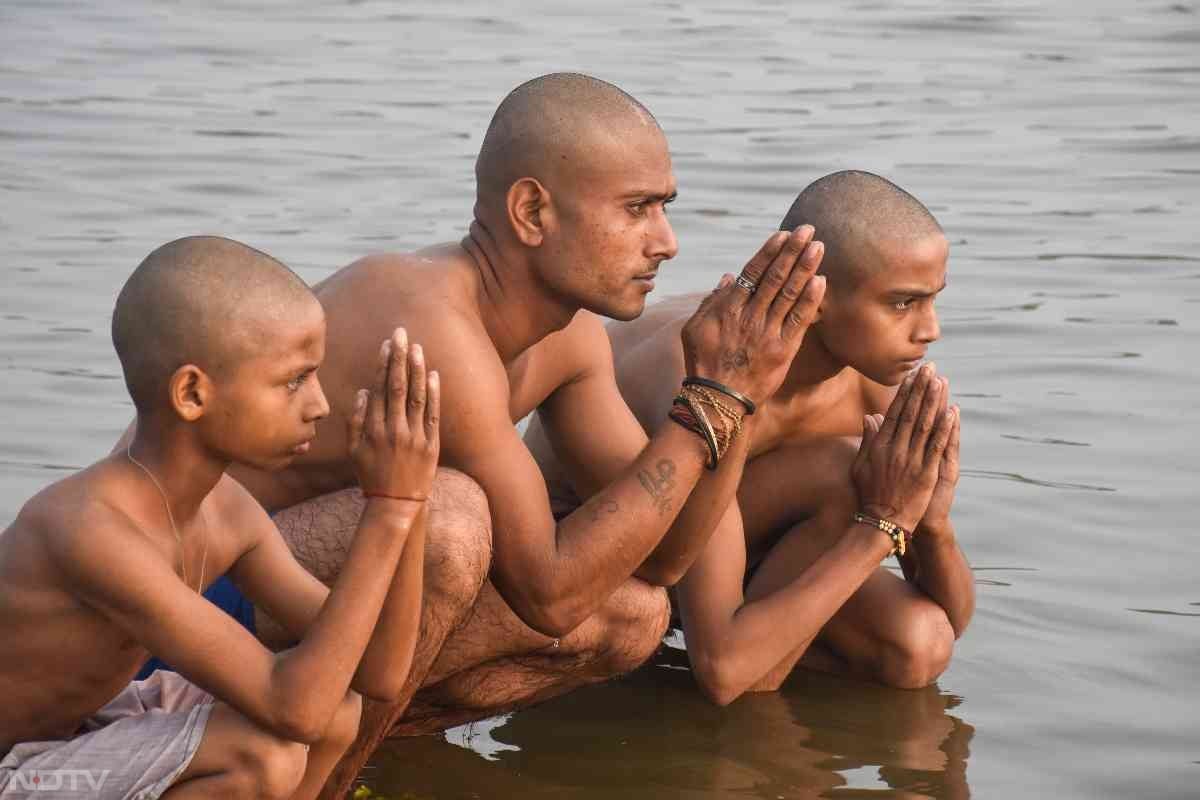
[902,305]
[294,384]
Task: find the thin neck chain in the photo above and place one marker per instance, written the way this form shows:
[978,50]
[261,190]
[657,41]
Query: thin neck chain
[174,528]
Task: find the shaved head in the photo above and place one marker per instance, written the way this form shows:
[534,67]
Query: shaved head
[547,127]
[200,300]
[856,214]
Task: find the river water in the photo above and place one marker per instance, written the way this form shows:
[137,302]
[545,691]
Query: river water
[1059,144]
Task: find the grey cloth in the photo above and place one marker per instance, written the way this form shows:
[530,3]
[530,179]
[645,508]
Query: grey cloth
[133,748]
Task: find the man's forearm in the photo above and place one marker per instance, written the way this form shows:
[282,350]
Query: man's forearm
[600,544]
[385,664]
[942,572]
[702,512]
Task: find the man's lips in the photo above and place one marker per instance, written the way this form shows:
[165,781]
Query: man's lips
[303,447]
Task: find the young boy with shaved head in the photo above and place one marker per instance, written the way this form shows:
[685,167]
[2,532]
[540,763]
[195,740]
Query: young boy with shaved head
[220,345]
[775,586]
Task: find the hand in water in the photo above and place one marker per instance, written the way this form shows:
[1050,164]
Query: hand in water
[393,435]
[747,340]
[897,468]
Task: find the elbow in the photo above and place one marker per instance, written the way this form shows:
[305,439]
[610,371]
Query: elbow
[549,609]
[385,683]
[387,689]
[299,724]
[550,620]
[657,572]
[718,681]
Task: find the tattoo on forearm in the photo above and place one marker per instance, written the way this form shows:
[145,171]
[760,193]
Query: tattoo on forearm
[735,359]
[605,509]
[659,485]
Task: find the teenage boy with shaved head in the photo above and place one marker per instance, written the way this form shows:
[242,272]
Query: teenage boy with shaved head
[219,345]
[573,178]
[775,586]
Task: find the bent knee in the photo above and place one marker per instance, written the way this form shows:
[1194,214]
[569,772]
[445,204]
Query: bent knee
[458,549]
[922,654]
[632,625]
[270,767]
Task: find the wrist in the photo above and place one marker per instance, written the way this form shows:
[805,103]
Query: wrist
[395,507]
[899,535]
[936,528]
[890,513]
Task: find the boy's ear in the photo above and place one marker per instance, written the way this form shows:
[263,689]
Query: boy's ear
[190,392]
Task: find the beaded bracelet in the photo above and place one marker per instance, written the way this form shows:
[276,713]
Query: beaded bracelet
[898,535]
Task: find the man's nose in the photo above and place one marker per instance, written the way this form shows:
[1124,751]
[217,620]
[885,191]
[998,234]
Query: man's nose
[662,242]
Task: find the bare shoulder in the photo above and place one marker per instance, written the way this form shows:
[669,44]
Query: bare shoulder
[77,524]
[579,346]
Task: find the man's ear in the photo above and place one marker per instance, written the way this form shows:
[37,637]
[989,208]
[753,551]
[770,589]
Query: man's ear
[190,392]
[528,206]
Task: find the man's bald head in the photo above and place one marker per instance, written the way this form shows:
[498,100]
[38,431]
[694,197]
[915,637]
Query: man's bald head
[546,128]
[201,300]
[856,214]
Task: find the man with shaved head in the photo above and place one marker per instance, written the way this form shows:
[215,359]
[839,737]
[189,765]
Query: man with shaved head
[219,344]
[570,227]
[778,583]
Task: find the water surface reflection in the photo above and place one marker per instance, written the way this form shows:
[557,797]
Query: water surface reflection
[652,735]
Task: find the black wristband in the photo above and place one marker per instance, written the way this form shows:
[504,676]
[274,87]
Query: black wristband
[746,402]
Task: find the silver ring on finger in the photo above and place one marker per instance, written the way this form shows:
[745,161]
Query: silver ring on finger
[747,284]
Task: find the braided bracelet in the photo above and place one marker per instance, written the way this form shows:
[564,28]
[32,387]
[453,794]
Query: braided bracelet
[686,415]
[898,535]
[746,402]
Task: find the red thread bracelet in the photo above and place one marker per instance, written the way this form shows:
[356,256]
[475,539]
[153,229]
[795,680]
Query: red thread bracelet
[395,497]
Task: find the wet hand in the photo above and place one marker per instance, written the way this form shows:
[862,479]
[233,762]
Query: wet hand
[898,462]
[393,432]
[747,338]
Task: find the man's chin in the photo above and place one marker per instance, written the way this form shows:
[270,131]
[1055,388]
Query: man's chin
[624,312]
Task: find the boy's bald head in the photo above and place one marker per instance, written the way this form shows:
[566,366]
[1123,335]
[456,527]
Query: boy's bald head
[548,127]
[856,214]
[201,300]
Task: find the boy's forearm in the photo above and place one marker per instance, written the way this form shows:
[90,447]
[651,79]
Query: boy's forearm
[942,572]
[702,512]
[385,665]
[763,633]
[312,677]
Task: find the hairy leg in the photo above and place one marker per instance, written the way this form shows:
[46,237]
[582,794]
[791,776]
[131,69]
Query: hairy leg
[457,559]
[796,502]
[496,663]
[238,759]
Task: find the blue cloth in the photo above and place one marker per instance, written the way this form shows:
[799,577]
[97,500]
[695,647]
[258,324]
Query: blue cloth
[225,596]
